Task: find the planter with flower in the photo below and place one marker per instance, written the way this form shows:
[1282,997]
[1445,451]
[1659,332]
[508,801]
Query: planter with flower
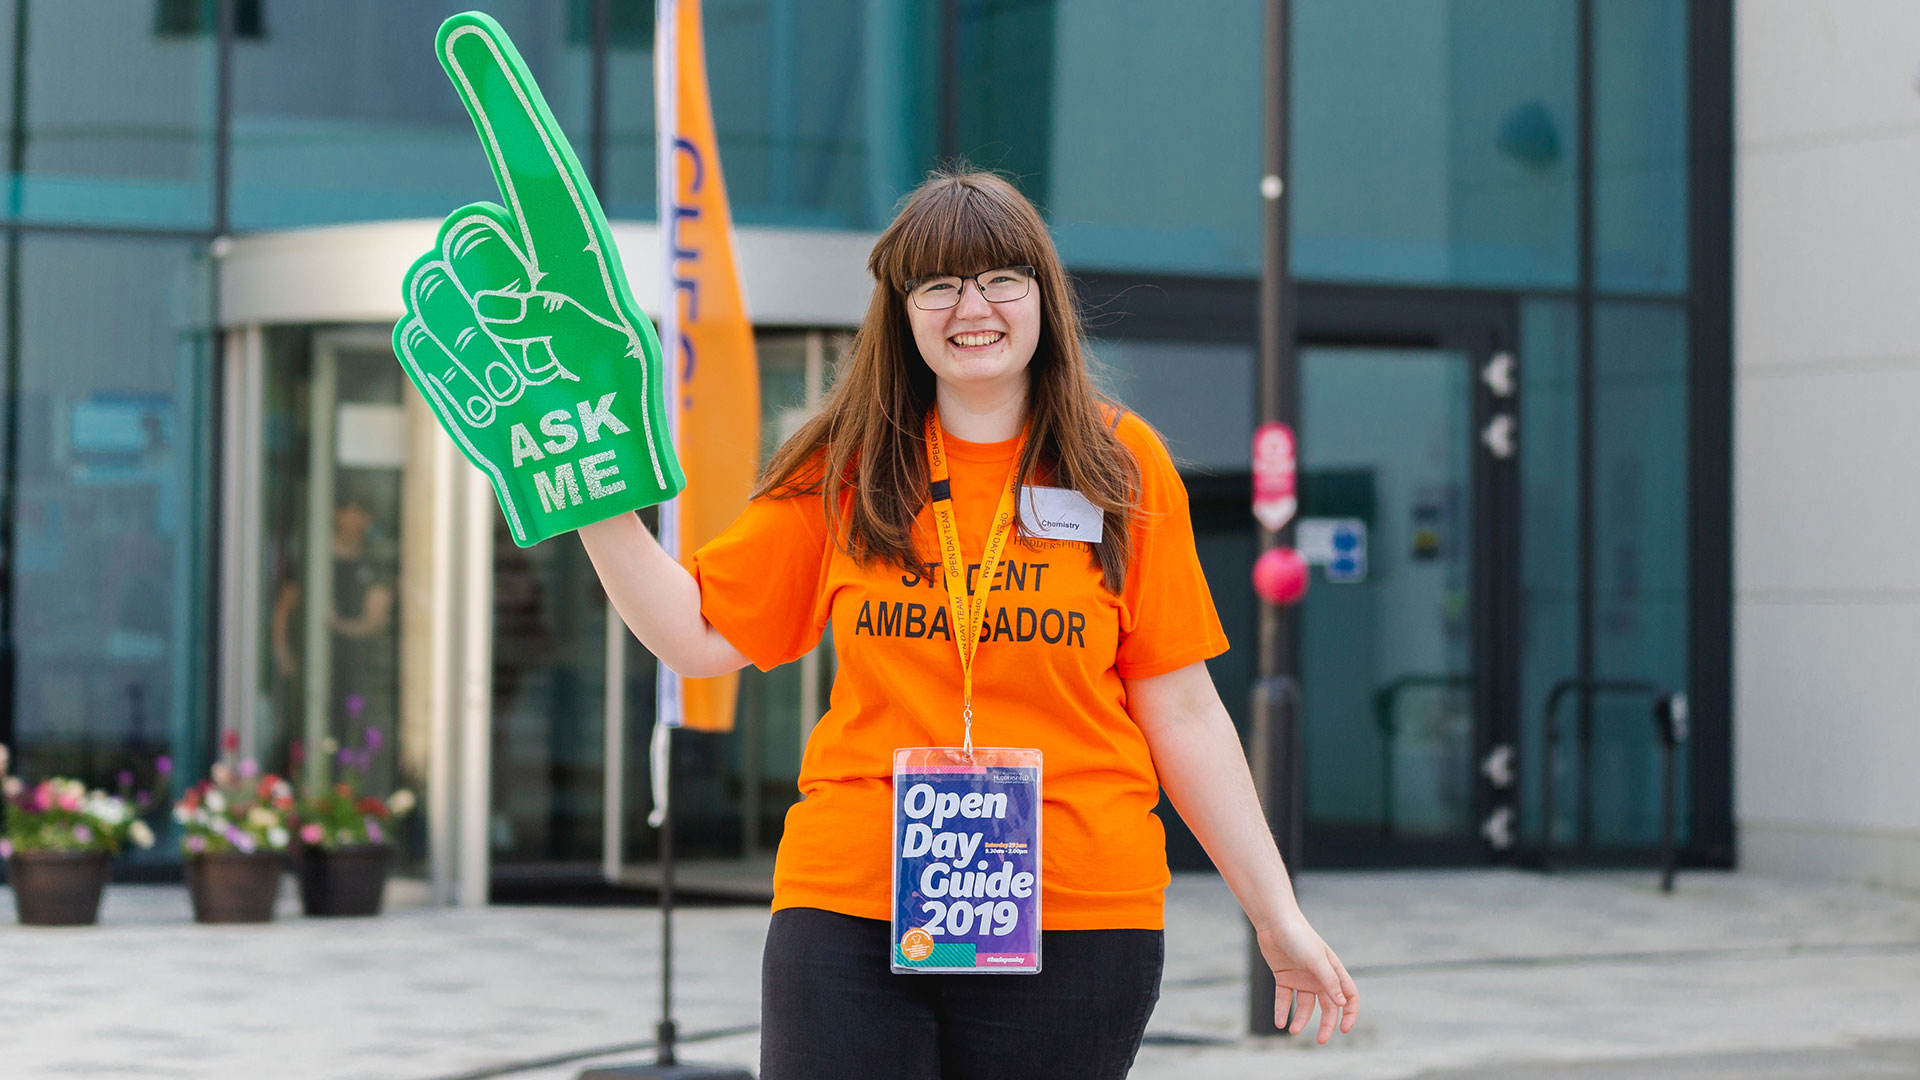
[236,839]
[345,847]
[59,839]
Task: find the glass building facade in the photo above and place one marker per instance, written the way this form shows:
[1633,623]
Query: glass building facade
[1472,183]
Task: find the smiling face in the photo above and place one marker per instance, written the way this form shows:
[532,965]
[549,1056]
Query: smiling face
[976,347]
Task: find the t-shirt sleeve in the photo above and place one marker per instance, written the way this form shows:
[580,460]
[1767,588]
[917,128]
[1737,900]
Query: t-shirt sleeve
[1167,617]
[760,580]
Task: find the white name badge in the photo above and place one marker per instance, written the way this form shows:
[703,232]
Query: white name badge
[1050,513]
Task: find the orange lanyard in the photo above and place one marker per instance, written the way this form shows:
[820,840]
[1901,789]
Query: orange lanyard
[968,613]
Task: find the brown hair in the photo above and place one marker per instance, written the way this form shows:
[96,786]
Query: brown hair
[869,432]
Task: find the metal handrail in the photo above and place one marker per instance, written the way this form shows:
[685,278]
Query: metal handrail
[1669,711]
[1386,704]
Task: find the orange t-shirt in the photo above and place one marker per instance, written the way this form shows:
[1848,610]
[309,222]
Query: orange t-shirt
[1047,674]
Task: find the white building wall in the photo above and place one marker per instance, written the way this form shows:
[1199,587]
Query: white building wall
[1827,444]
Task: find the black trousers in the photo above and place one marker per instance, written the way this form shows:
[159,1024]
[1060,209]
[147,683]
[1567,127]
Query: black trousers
[829,1007]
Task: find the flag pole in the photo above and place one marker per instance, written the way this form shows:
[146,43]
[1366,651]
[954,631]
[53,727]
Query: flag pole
[669,698]
[668,701]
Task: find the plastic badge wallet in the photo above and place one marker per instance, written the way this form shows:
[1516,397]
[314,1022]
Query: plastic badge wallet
[966,865]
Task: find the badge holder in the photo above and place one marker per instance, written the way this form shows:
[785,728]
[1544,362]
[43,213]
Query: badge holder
[966,860]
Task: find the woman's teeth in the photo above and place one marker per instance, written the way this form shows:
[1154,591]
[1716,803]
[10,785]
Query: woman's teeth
[975,340]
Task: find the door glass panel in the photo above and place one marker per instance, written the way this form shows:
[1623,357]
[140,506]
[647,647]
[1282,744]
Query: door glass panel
[549,703]
[1386,657]
[1640,572]
[335,480]
[1550,523]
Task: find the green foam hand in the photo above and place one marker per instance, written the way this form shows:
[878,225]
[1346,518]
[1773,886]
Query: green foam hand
[520,329]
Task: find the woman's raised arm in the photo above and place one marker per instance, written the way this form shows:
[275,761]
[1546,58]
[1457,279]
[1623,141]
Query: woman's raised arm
[657,598]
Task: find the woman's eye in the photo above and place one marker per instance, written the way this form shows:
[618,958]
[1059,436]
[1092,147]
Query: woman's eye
[936,287]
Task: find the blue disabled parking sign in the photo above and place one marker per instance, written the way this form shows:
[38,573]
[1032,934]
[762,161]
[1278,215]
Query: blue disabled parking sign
[1337,545]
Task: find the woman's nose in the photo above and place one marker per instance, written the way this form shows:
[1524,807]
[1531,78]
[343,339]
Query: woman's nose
[973,302]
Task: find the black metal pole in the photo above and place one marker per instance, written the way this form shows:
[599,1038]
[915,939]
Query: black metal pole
[10,481]
[949,82]
[597,97]
[1584,318]
[1666,814]
[1276,697]
[667,1033]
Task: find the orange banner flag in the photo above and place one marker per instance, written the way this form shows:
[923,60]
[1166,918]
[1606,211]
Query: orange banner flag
[707,336]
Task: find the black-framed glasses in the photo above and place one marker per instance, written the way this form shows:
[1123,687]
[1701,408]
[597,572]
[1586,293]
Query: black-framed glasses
[938,292]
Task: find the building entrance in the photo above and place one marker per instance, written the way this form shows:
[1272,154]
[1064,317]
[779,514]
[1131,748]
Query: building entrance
[1405,638]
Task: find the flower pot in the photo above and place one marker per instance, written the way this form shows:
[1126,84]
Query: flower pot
[234,886]
[58,888]
[344,881]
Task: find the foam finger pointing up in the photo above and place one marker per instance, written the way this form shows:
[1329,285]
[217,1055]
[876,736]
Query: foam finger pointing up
[540,180]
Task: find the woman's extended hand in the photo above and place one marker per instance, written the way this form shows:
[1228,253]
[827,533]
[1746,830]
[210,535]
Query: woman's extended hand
[1302,962]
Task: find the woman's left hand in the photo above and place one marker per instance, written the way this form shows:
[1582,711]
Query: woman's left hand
[1302,962]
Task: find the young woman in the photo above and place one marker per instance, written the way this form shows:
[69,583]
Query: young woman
[1097,657]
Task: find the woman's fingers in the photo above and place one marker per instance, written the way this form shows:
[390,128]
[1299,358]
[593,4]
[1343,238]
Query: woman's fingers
[1350,1010]
[1302,1004]
[1328,986]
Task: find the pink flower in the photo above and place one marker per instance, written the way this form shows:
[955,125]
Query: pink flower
[196,844]
[69,801]
[6,848]
[249,768]
[311,833]
[374,835]
[82,834]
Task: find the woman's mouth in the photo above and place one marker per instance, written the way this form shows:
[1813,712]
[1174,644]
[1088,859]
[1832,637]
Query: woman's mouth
[978,339]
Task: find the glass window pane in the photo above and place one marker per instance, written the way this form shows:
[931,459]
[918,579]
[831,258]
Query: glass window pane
[821,110]
[1640,568]
[342,112]
[1199,394]
[117,112]
[1435,141]
[113,554]
[1549,546]
[1148,157]
[1640,145]
[628,183]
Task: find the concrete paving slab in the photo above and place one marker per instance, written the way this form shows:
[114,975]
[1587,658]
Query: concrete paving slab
[1486,974]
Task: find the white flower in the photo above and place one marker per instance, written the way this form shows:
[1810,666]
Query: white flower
[401,802]
[12,787]
[277,837]
[180,813]
[282,790]
[216,802]
[105,809]
[141,835]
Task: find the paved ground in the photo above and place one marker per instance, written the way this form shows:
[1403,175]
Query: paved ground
[1497,975]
